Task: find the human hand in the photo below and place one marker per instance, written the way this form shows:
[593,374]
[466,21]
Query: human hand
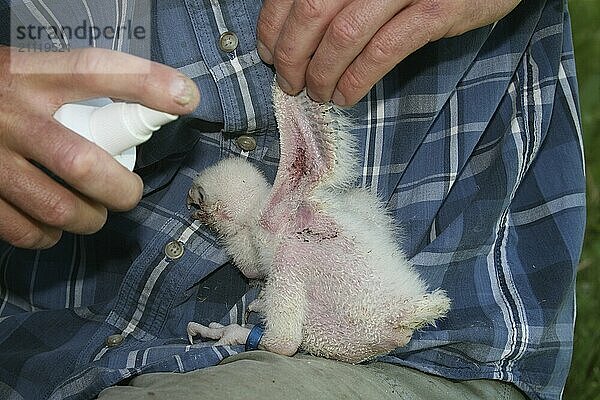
[339,49]
[34,208]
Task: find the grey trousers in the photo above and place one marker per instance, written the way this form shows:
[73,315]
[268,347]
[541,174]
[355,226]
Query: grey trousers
[263,375]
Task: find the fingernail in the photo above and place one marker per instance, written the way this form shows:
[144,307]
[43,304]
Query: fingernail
[182,91]
[284,85]
[264,53]
[338,98]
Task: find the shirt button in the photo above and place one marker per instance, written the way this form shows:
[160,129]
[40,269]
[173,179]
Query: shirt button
[246,142]
[174,249]
[114,340]
[228,42]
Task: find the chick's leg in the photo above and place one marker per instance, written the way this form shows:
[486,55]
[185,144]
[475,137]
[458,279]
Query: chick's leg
[229,335]
[283,306]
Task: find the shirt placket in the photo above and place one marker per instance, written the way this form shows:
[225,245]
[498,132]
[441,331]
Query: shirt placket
[225,32]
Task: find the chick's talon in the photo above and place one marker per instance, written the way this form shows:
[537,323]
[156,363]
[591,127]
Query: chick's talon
[228,335]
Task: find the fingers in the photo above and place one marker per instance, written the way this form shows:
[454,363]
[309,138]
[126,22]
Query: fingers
[33,86]
[298,39]
[45,201]
[412,28]
[339,49]
[312,42]
[346,36]
[270,21]
[20,230]
[86,73]
[81,164]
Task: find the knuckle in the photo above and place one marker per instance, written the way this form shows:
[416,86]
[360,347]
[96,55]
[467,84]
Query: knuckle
[436,17]
[350,84]
[25,239]
[284,58]
[316,77]
[84,64]
[310,9]
[78,162]
[382,49]
[11,124]
[432,8]
[33,238]
[86,61]
[144,83]
[60,211]
[344,31]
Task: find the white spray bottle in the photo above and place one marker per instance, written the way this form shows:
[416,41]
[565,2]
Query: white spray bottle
[115,127]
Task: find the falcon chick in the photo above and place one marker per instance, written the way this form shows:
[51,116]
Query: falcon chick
[336,283]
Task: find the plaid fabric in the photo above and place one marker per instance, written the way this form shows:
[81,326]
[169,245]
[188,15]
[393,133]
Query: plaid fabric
[474,142]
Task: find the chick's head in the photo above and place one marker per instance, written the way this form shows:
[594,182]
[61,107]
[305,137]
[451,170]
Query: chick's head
[228,196]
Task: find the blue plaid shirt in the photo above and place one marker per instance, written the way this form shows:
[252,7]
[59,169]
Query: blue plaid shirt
[474,142]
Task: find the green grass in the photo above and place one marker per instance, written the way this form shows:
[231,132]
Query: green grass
[584,378]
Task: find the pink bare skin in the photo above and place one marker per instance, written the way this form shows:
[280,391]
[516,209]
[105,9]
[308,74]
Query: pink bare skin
[336,283]
[34,208]
[339,49]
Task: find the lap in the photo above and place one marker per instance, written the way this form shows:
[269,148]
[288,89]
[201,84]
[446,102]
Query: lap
[264,375]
